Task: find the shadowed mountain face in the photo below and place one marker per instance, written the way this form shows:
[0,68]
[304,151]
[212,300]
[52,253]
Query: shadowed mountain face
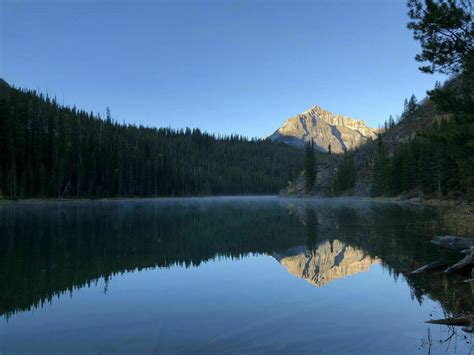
[326,262]
[342,133]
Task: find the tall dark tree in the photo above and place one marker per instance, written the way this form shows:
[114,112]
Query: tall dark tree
[391,122]
[346,175]
[380,169]
[309,166]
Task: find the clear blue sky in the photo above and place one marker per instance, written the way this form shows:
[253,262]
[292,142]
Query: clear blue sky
[222,65]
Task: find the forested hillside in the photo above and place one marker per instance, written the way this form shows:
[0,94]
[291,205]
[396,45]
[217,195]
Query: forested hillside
[48,150]
[429,149]
[440,159]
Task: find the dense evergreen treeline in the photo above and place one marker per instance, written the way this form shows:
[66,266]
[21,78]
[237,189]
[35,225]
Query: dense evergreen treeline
[429,148]
[48,150]
[346,175]
[441,160]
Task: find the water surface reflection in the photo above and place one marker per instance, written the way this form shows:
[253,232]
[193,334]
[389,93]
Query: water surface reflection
[207,275]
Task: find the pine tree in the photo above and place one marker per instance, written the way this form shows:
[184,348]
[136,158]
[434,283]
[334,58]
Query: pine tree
[346,176]
[412,105]
[409,178]
[391,122]
[309,166]
[445,31]
[380,169]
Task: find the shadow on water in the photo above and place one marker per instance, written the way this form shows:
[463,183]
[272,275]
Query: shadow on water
[54,248]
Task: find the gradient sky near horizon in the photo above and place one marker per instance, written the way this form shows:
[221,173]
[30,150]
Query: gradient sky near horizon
[225,66]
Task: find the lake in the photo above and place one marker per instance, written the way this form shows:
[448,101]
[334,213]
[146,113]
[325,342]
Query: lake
[234,275]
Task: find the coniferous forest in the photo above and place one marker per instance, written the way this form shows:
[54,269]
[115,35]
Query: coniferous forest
[49,150]
[440,160]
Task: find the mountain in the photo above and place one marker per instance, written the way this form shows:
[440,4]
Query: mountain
[341,132]
[331,260]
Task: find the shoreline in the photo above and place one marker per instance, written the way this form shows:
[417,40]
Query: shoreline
[417,201]
[105,199]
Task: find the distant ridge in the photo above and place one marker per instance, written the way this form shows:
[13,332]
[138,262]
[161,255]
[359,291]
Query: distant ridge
[341,132]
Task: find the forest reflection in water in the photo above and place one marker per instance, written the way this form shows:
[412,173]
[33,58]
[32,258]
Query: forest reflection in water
[50,249]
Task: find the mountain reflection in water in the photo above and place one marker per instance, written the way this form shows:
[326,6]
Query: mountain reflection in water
[326,262]
[51,249]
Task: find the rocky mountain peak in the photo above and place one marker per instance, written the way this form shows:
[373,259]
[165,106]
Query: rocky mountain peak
[324,128]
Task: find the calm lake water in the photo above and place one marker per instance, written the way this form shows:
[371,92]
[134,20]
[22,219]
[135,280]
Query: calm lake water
[235,275]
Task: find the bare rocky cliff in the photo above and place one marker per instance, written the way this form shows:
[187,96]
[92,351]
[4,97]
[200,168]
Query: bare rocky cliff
[324,128]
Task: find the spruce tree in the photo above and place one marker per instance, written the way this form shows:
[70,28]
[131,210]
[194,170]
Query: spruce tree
[346,175]
[380,169]
[309,166]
